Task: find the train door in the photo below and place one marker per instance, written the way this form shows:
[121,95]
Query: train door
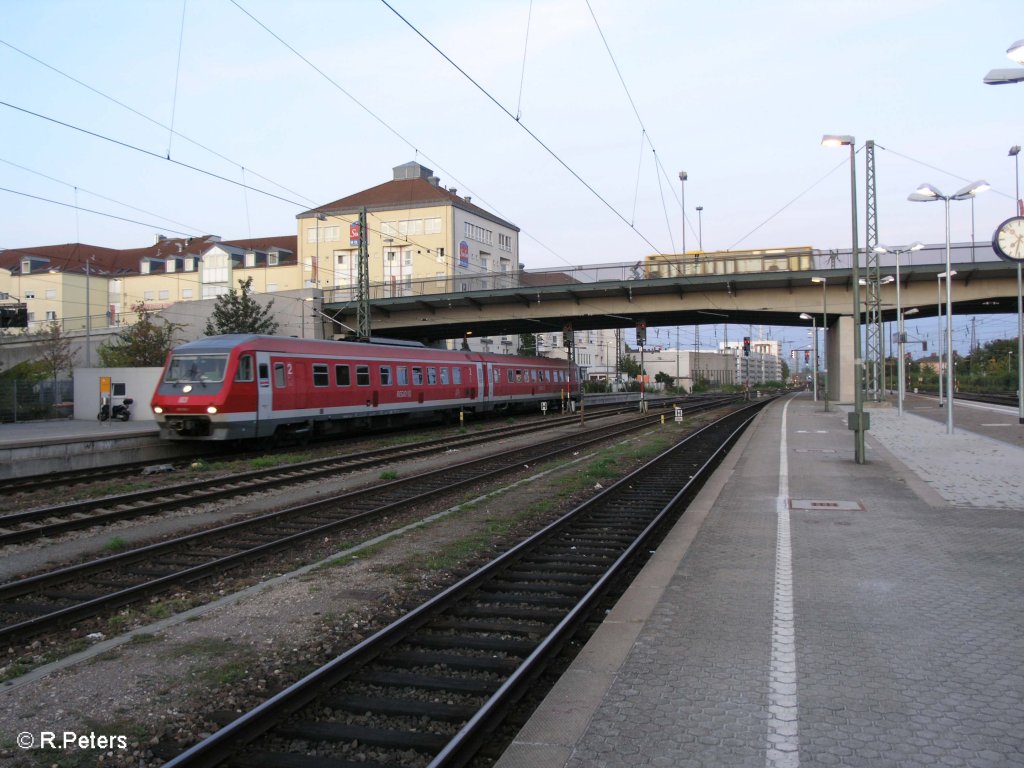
[264,394]
[483,382]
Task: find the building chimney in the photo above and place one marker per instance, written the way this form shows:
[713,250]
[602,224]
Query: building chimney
[468,199]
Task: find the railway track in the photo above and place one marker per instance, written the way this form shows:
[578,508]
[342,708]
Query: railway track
[45,601]
[33,524]
[430,688]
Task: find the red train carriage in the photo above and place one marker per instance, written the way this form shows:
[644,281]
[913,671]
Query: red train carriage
[241,387]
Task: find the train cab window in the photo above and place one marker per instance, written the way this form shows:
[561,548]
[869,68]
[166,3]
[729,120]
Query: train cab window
[245,370]
[403,376]
[264,371]
[444,376]
[456,375]
[341,376]
[431,375]
[417,375]
[279,379]
[385,375]
[362,375]
[321,376]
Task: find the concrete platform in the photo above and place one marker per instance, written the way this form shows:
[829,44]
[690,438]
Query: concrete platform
[811,611]
[37,447]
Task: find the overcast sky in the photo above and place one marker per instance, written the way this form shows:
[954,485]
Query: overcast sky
[312,101]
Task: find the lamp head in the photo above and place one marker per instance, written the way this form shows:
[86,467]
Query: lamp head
[1014,150]
[911,311]
[925,193]
[835,140]
[1004,76]
[682,176]
[805,316]
[972,189]
[881,249]
[916,246]
[821,280]
[886,280]
[1016,52]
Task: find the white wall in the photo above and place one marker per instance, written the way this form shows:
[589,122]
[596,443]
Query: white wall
[140,384]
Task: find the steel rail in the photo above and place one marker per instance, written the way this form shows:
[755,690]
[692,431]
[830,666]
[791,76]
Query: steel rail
[226,742]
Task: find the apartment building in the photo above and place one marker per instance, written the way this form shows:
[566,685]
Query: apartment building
[421,238]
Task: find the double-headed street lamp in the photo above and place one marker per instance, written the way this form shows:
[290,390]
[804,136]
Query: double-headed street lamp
[926,193]
[900,334]
[857,421]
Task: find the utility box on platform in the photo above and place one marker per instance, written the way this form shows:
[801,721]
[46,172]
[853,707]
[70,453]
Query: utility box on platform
[857,421]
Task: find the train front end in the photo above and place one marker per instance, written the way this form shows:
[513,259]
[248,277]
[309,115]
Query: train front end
[199,396]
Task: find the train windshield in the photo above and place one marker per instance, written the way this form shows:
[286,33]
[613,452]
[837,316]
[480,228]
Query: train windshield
[188,369]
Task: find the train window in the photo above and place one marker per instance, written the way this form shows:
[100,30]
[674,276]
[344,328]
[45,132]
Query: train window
[385,375]
[417,375]
[362,375]
[431,375]
[264,372]
[510,375]
[444,376]
[495,375]
[279,380]
[456,375]
[245,369]
[341,376]
[519,376]
[533,375]
[403,376]
[321,377]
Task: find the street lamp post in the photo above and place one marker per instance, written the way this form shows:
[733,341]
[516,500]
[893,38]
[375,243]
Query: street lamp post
[901,336]
[88,316]
[923,194]
[700,228]
[857,421]
[682,191]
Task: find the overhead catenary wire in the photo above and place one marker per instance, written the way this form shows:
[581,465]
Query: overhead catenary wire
[146,117]
[523,126]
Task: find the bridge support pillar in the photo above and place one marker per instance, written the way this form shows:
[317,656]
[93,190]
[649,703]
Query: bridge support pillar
[839,347]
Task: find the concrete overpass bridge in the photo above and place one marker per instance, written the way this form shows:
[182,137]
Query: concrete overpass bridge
[618,296]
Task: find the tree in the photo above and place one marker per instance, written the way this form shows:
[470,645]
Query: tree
[142,345]
[55,353]
[238,312]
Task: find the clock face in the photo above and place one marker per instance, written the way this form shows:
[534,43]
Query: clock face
[1008,241]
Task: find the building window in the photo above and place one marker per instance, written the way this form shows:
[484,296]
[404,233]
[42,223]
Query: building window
[387,229]
[165,295]
[51,314]
[186,293]
[432,226]
[148,295]
[504,242]
[30,294]
[51,293]
[272,259]
[440,255]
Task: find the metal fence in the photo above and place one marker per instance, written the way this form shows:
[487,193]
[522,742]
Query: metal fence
[24,400]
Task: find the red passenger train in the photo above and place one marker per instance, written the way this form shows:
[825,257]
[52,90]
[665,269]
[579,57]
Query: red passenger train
[243,387]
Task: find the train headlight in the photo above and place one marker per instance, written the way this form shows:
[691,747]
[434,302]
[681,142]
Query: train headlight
[211,409]
[157,410]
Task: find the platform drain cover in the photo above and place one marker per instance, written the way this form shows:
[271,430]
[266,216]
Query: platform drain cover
[826,505]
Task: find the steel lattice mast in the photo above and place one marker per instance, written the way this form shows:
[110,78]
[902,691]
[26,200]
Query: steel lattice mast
[874,353]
